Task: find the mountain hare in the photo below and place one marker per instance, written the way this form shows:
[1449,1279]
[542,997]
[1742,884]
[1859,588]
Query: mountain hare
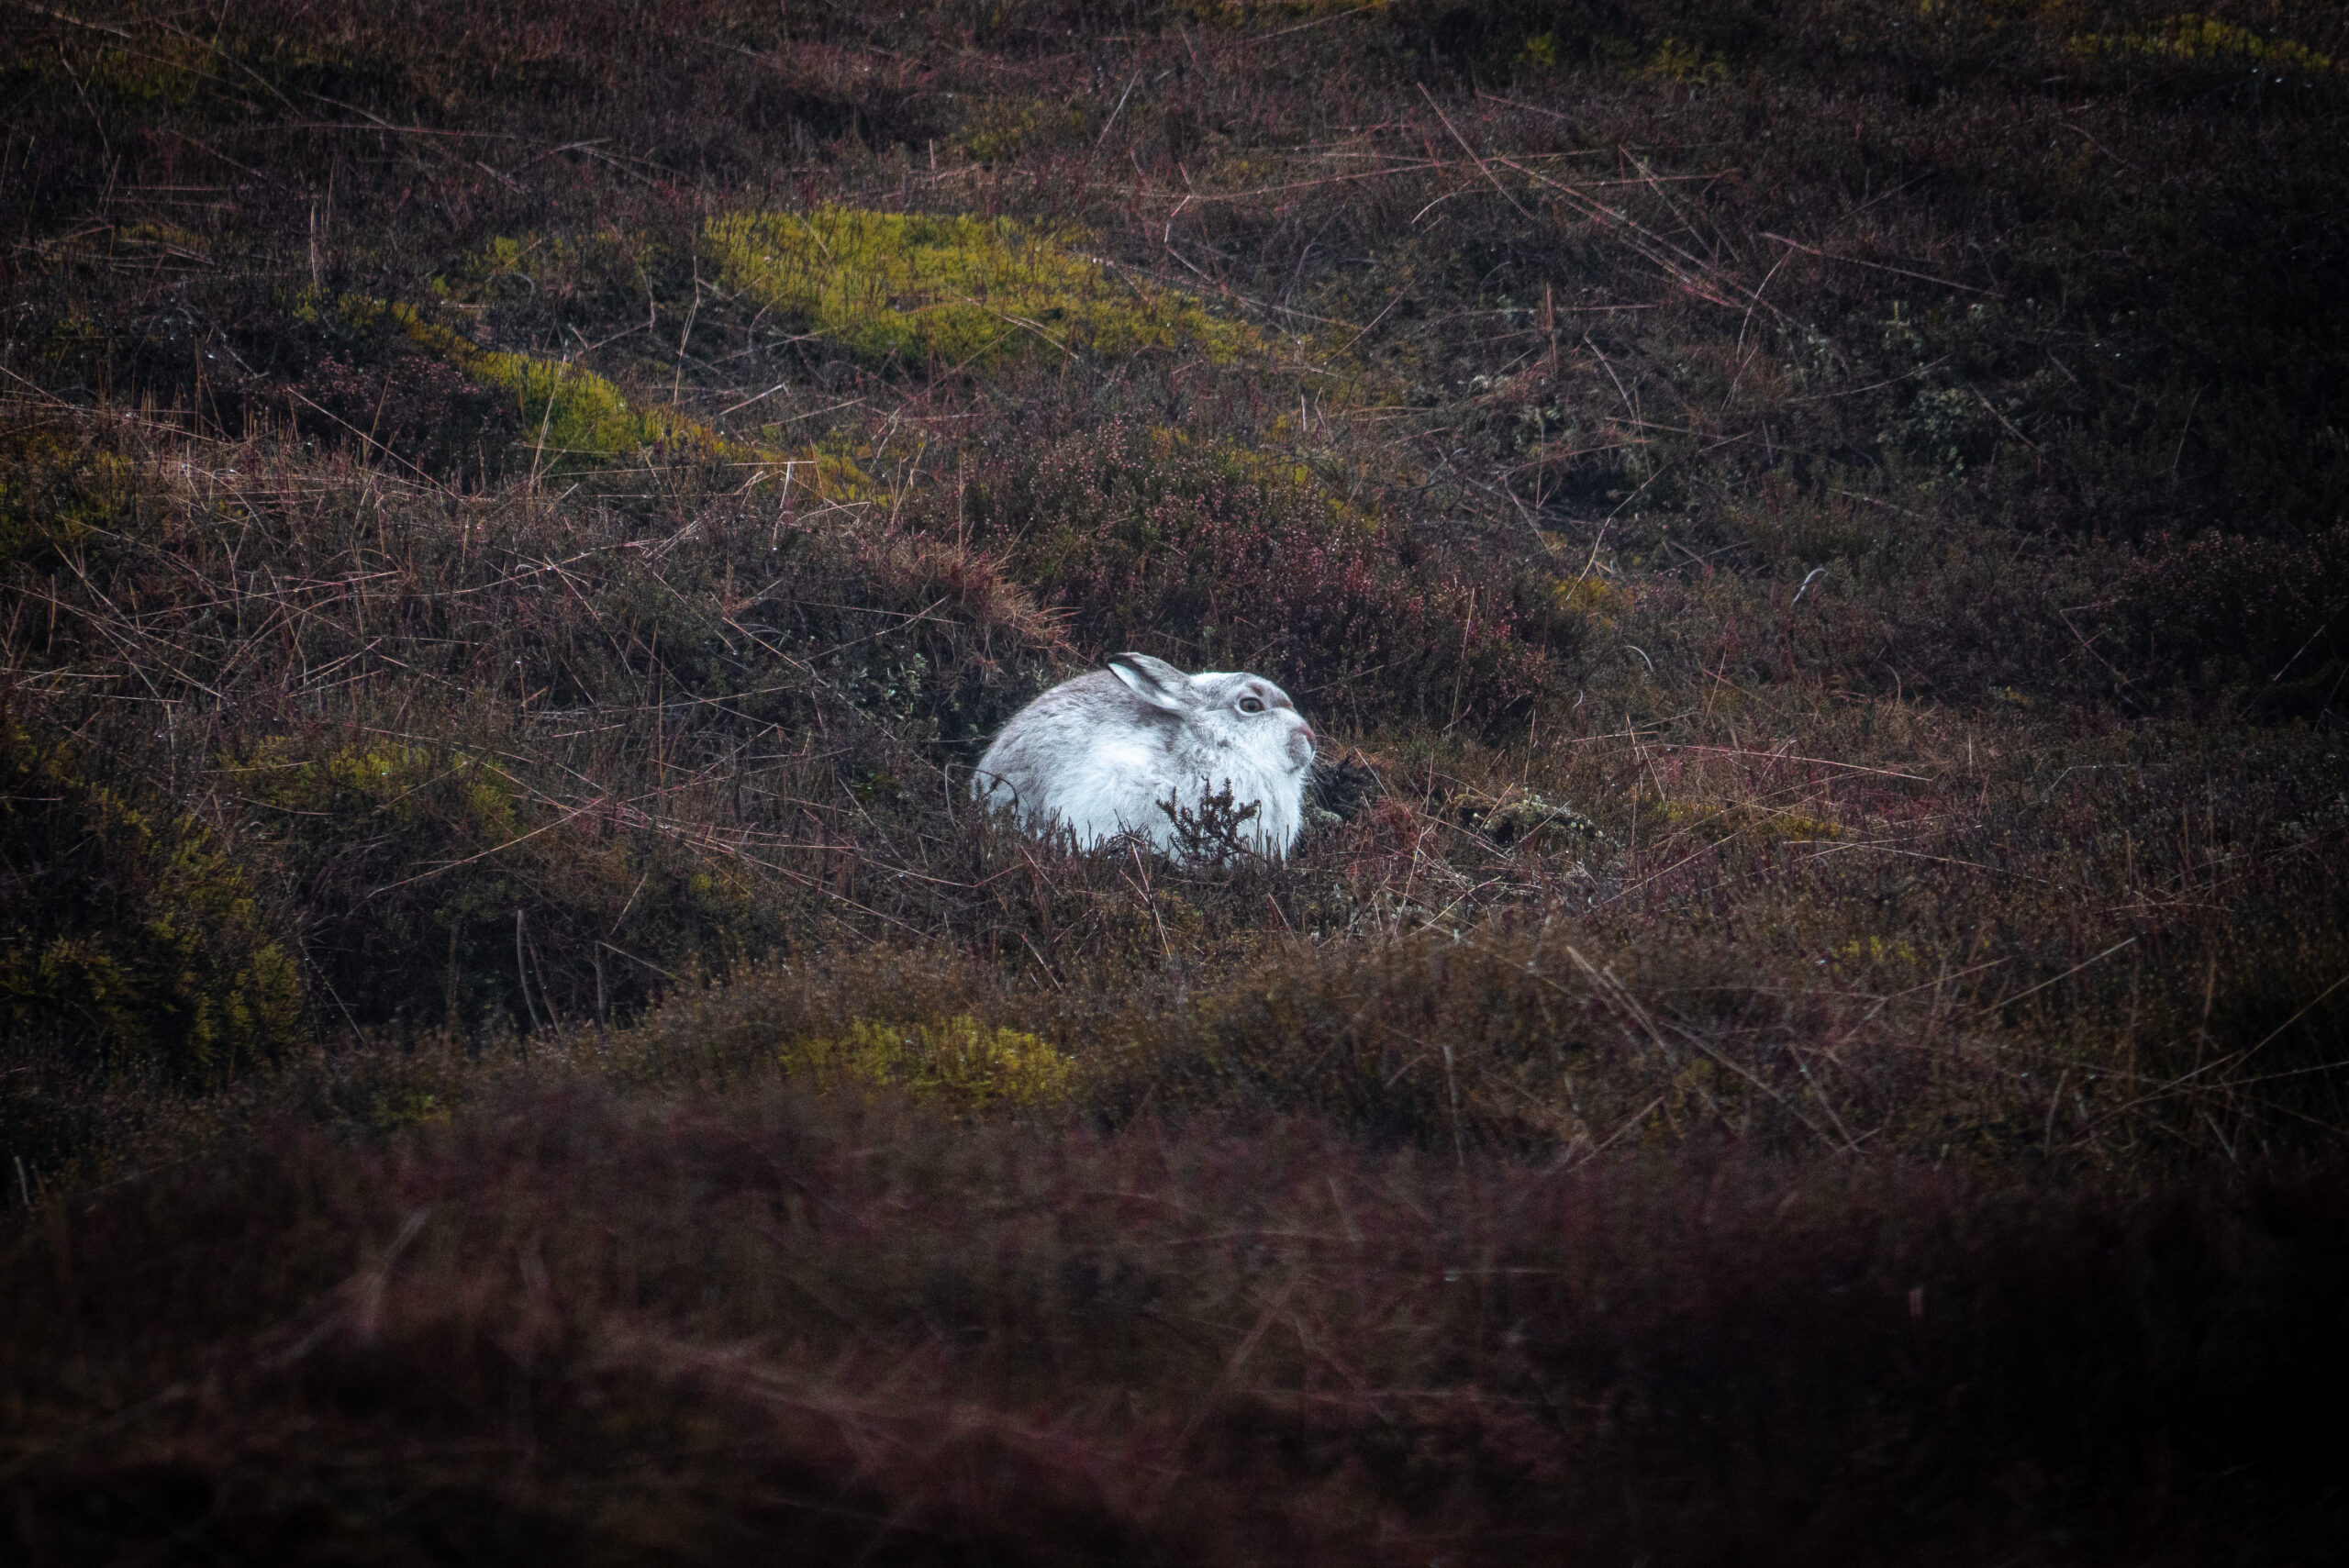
[1100,753]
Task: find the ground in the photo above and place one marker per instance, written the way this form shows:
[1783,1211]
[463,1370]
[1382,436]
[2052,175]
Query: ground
[1809,1021]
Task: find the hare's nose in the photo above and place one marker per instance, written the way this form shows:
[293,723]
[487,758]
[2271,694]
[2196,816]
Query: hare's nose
[1307,730]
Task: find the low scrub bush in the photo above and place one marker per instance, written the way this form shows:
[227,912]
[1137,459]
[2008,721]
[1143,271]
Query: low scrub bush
[568,416]
[1231,558]
[128,936]
[2260,616]
[1806,1021]
[66,490]
[855,1329]
[414,408]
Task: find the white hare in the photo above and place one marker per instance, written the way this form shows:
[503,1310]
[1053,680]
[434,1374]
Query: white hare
[1100,754]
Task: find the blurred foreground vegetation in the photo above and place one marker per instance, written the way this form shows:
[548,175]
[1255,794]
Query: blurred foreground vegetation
[1813,1017]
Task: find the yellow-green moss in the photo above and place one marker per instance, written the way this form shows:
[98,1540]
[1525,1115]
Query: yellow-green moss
[474,278]
[394,785]
[72,337]
[568,412]
[353,824]
[573,417]
[961,1062]
[124,930]
[2192,36]
[167,238]
[389,1110]
[1590,594]
[161,72]
[1002,129]
[970,292]
[1267,469]
[602,268]
[1874,952]
[1676,62]
[413,859]
[57,491]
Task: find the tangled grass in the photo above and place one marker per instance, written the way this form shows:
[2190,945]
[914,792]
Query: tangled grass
[1809,1020]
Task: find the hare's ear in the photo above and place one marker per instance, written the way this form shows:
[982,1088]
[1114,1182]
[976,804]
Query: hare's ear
[1155,681]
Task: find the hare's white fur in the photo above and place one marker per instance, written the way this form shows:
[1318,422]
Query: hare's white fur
[1100,754]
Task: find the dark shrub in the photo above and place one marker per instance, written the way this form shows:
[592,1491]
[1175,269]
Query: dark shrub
[123,932]
[2231,607]
[1220,557]
[433,890]
[422,412]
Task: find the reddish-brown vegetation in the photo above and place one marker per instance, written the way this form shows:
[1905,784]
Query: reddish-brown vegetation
[1809,1021]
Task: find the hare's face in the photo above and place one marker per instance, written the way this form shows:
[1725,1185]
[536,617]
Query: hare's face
[1249,714]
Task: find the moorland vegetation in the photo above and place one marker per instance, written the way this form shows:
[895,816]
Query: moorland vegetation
[1811,1019]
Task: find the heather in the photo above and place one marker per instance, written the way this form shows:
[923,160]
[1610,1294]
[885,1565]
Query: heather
[1808,1018]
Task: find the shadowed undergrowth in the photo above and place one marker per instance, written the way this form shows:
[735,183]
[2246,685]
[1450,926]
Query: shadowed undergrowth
[1809,1019]
[697,1331]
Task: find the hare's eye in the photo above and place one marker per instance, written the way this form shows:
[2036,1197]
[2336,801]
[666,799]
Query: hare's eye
[1251,705]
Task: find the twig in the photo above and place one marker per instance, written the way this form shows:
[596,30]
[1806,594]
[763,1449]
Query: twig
[1798,757]
[1481,166]
[74,21]
[2005,1001]
[1120,110]
[1316,22]
[1882,267]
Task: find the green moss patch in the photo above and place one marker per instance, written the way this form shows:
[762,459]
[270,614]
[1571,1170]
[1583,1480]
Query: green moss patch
[59,489]
[961,1062]
[2189,37]
[573,419]
[440,892]
[570,413]
[123,931]
[972,292]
